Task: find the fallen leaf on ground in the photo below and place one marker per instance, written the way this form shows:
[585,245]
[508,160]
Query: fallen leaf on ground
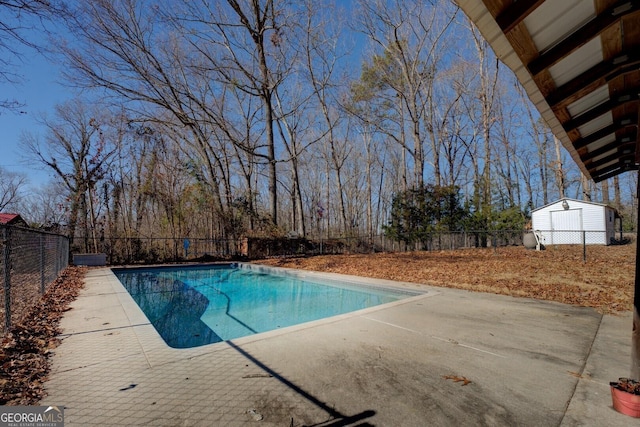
[27,345]
[457,379]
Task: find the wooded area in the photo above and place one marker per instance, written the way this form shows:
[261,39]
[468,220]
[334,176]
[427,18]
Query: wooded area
[287,118]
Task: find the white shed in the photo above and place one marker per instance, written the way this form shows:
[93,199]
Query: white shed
[569,221]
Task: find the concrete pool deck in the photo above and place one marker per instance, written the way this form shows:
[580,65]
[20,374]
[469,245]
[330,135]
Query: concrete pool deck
[525,362]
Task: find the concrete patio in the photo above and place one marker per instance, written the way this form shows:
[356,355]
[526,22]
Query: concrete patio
[526,362]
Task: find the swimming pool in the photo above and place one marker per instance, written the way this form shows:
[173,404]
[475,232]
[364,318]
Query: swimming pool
[199,305]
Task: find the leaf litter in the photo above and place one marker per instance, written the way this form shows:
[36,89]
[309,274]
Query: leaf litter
[27,346]
[559,273]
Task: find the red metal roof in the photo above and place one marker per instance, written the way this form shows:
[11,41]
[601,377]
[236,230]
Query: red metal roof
[10,218]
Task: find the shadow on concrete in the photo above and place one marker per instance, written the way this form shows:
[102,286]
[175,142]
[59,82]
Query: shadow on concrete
[338,419]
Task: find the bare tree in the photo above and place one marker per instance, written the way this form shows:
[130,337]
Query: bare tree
[129,179]
[45,207]
[559,170]
[22,23]
[539,133]
[452,125]
[12,187]
[506,166]
[586,187]
[617,196]
[77,149]
[293,126]
[321,58]
[249,40]
[411,36]
[181,57]
[486,94]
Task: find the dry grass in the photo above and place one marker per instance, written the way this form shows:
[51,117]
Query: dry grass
[604,281]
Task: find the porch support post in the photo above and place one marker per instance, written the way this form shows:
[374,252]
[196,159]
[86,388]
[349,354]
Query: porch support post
[635,335]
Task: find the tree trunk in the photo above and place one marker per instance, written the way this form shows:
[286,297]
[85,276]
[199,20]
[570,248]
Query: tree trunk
[418,153]
[367,142]
[604,185]
[586,188]
[542,162]
[405,185]
[617,197]
[273,173]
[298,211]
[338,164]
[266,95]
[327,208]
[560,182]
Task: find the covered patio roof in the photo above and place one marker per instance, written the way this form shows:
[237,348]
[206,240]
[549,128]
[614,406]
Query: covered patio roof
[579,62]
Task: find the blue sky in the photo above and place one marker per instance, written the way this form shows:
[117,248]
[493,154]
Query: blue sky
[40,91]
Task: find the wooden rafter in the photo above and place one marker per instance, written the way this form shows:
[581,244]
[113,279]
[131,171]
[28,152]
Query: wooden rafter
[613,128]
[631,96]
[515,13]
[593,78]
[611,171]
[614,156]
[601,150]
[619,145]
[583,35]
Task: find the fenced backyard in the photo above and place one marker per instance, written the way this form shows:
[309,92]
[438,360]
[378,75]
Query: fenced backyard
[154,250]
[30,261]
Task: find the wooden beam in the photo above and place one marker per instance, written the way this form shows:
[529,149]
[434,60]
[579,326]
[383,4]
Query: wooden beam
[589,156]
[612,171]
[593,78]
[621,140]
[631,96]
[495,7]
[515,13]
[594,165]
[615,127]
[583,35]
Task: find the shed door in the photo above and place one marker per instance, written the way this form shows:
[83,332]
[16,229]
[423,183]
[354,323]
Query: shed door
[566,226]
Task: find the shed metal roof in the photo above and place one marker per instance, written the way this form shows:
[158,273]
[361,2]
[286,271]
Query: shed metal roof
[579,61]
[10,218]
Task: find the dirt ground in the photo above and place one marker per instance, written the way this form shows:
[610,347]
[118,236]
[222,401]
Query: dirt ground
[605,281]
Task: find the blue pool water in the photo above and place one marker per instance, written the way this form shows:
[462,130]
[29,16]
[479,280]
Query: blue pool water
[193,306]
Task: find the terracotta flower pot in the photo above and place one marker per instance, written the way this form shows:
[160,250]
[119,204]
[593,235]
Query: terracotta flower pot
[625,397]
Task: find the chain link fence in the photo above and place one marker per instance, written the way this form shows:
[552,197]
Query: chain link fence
[139,250]
[578,237]
[30,261]
[155,250]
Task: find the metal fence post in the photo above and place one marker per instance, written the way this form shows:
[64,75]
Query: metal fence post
[42,262]
[584,246]
[6,256]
